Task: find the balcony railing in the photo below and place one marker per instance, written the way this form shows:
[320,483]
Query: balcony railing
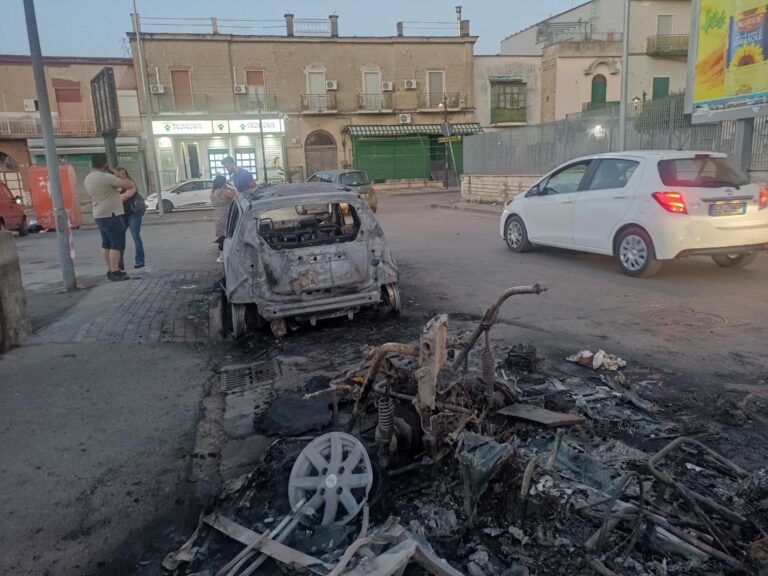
[433,100]
[668,45]
[318,102]
[257,103]
[502,115]
[374,102]
[182,103]
[15,126]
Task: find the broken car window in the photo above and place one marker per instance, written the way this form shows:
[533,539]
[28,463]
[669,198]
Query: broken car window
[309,225]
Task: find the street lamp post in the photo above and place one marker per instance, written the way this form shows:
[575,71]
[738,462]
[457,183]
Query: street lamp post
[63,232]
[260,105]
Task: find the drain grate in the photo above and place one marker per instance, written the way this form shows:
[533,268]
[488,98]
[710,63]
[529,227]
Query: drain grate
[687,317]
[242,377]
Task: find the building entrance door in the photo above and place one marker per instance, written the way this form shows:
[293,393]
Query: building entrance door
[320,152]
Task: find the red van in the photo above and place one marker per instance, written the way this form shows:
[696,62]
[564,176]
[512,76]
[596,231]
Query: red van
[12,212]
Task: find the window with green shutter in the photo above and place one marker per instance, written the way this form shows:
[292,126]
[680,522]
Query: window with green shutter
[508,101]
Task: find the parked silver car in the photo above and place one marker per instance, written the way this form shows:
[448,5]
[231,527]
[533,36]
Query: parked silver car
[356,180]
[304,252]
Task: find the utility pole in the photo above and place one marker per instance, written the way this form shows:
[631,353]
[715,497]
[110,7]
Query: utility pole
[63,231]
[447,130]
[261,136]
[147,117]
[624,80]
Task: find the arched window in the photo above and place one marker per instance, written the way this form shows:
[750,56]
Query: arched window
[599,89]
[320,138]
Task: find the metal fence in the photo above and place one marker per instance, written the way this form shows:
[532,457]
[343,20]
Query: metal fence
[657,125]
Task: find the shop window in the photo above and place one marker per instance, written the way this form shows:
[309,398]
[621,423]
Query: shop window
[215,157]
[508,102]
[246,158]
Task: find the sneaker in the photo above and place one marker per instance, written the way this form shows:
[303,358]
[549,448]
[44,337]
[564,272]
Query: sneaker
[220,259]
[117,276]
[139,265]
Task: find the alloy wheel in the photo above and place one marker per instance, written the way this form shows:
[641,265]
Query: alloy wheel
[633,252]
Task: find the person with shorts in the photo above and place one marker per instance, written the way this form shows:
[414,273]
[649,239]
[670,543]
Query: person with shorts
[104,190]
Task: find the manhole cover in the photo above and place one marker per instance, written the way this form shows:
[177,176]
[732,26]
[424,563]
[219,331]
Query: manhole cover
[687,317]
[241,377]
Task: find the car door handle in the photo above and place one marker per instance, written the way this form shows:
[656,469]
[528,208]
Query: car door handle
[619,197]
[567,202]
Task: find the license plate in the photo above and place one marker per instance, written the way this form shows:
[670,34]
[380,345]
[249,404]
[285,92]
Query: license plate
[727,209]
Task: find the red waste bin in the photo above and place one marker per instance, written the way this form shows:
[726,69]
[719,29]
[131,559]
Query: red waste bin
[37,177]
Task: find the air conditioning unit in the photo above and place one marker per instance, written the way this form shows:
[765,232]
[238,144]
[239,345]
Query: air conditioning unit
[462,103]
[241,89]
[410,84]
[404,118]
[157,88]
[331,85]
[31,105]
[387,86]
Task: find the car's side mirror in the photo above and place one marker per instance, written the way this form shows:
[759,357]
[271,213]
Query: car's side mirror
[534,191]
[18,200]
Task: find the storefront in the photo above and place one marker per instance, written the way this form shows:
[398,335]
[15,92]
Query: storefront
[195,148]
[408,151]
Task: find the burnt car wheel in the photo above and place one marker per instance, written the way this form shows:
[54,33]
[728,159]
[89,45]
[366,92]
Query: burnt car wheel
[237,312]
[734,260]
[390,298]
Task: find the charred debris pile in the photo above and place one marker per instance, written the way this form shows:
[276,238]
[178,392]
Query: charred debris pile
[454,456]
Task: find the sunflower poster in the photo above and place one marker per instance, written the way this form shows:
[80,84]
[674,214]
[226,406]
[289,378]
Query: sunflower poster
[732,53]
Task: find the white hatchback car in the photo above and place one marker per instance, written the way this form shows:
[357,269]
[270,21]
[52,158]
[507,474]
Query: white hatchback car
[643,208]
[195,192]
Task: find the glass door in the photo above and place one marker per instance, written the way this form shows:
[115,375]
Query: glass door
[316,90]
[215,156]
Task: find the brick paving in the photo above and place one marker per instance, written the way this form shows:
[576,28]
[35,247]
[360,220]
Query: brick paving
[167,307]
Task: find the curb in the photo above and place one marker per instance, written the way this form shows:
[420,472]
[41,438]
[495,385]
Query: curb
[419,192]
[472,209]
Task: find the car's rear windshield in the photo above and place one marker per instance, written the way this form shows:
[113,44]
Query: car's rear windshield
[309,225]
[354,179]
[701,171]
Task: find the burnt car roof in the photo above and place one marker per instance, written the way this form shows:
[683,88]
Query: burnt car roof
[298,190]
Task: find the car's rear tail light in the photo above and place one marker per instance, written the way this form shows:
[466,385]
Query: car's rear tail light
[671,202]
[762,201]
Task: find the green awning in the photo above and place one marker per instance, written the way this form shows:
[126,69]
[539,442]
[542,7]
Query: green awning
[394,130]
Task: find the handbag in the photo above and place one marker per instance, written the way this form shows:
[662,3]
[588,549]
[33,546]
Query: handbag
[136,204]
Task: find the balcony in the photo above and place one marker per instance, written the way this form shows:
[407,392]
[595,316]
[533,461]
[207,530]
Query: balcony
[30,127]
[504,115]
[667,45]
[431,101]
[182,103]
[256,103]
[318,103]
[373,103]
[592,106]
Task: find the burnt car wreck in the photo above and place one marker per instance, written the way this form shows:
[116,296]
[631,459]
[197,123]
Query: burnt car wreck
[304,252]
[447,454]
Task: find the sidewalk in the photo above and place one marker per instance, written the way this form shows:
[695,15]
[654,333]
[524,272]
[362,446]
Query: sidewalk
[100,406]
[488,209]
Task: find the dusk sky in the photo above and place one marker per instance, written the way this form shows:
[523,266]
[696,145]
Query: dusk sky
[97,28]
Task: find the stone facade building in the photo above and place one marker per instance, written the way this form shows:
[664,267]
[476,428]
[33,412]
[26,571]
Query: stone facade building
[298,103]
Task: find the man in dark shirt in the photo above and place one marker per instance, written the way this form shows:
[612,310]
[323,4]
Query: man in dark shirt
[241,178]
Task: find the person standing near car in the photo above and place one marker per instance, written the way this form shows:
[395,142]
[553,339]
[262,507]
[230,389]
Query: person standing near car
[221,198]
[103,189]
[241,178]
[134,207]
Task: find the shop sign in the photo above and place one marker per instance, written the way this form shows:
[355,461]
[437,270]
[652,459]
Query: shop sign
[182,127]
[220,127]
[252,125]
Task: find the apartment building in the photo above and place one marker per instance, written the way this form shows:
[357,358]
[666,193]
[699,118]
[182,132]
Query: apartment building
[571,62]
[69,93]
[306,100]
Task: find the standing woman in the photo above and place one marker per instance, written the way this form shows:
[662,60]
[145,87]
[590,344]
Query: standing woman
[221,198]
[134,207]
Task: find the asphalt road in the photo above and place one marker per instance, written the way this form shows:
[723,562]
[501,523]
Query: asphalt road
[694,318]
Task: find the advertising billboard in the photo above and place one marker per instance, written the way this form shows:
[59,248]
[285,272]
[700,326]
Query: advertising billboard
[728,60]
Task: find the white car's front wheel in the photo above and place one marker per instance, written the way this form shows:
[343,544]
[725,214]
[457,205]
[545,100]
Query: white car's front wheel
[635,253]
[516,234]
